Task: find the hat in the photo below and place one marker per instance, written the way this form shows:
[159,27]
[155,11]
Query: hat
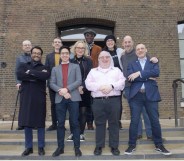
[90,31]
[110,37]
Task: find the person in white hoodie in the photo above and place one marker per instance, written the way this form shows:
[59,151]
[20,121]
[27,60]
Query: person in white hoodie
[116,53]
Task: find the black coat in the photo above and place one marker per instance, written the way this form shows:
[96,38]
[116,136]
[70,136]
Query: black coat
[32,94]
[85,66]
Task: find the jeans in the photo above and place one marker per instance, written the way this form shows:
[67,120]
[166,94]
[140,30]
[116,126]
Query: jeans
[61,109]
[29,137]
[147,124]
[136,105]
[145,116]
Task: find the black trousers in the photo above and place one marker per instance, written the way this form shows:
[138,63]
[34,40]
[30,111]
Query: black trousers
[53,106]
[107,109]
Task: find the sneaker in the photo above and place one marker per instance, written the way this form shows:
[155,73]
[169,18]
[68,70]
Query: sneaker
[70,138]
[82,137]
[162,149]
[130,149]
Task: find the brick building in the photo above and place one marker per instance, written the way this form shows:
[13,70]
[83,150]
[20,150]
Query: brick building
[153,23]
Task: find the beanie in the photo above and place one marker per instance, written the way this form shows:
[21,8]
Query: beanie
[110,37]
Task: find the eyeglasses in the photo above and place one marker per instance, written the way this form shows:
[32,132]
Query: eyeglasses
[104,57]
[37,53]
[80,48]
[64,53]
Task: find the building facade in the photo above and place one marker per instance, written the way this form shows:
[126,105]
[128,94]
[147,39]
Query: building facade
[153,23]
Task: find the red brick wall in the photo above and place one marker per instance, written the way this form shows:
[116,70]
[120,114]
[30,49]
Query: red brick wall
[153,23]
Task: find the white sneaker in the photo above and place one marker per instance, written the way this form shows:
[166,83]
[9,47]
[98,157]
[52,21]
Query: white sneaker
[70,138]
[82,137]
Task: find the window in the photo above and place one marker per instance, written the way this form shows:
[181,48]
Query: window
[181,50]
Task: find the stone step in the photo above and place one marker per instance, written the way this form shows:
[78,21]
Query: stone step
[12,145]
[143,151]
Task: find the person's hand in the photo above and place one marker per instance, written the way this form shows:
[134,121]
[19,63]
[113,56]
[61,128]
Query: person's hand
[81,90]
[63,91]
[67,96]
[27,72]
[44,70]
[18,86]
[154,60]
[133,76]
[153,78]
[106,89]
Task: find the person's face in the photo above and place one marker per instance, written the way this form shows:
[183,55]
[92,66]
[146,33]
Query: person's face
[104,60]
[26,46]
[36,54]
[110,43]
[57,44]
[64,55]
[89,37]
[80,50]
[141,50]
[128,44]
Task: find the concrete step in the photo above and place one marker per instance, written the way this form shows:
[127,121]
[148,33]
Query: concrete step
[12,145]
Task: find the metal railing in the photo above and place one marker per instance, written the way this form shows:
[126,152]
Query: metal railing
[175,86]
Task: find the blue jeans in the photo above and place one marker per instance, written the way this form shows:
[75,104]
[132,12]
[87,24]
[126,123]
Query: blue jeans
[146,123]
[136,105]
[145,116]
[61,109]
[29,137]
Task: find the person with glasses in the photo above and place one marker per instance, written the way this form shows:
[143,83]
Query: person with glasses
[93,51]
[105,83]
[65,81]
[80,51]
[32,114]
[116,53]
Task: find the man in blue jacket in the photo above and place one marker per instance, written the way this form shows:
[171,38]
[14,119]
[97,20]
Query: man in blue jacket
[144,93]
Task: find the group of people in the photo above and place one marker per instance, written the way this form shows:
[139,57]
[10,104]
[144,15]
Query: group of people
[89,82]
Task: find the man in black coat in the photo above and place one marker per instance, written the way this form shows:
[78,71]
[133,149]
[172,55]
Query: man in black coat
[32,114]
[52,60]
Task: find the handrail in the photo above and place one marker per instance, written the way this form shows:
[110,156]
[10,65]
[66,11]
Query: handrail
[175,86]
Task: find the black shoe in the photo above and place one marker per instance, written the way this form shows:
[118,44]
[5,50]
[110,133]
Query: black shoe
[98,151]
[20,128]
[90,126]
[51,128]
[115,151]
[162,149]
[41,151]
[139,137]
[120,126]
[130,149]
[149,138]
[27,152]
[78,152]
[58,152]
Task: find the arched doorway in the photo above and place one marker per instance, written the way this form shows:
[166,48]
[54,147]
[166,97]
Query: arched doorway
[72,30]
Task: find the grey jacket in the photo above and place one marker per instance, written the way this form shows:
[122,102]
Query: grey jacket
[24,58]
[74,81]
